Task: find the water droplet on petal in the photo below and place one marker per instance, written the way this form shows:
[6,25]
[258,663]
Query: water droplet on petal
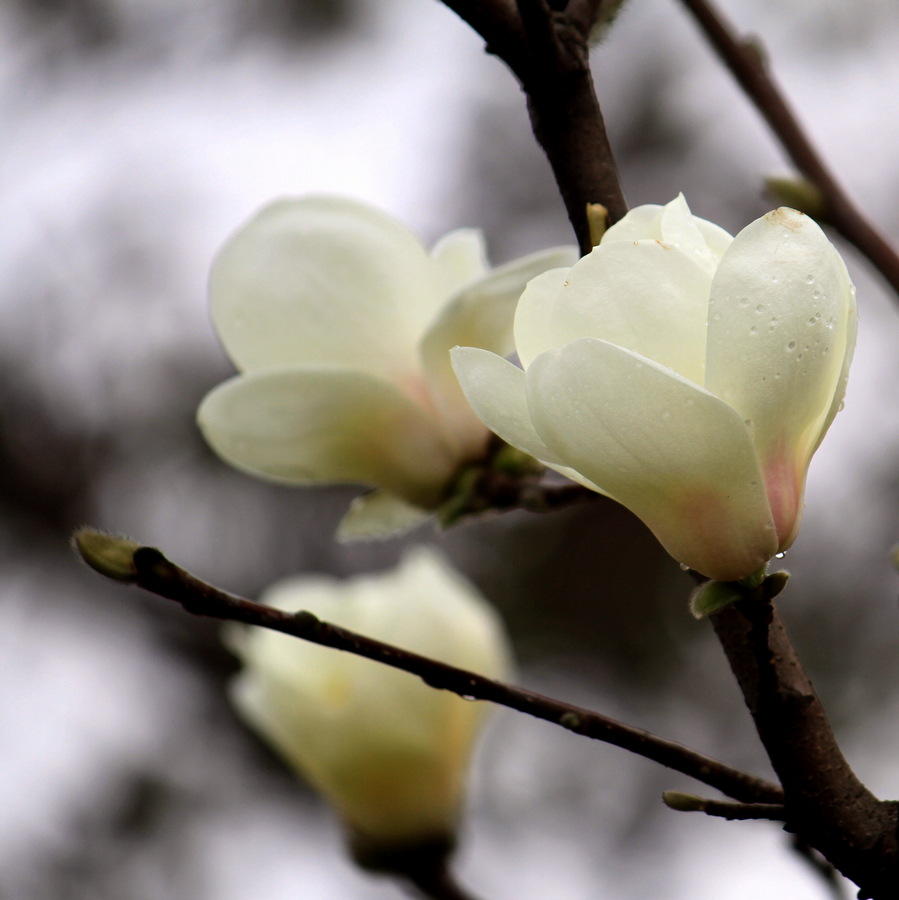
[774,279]
[791,346]
[810,279]
[754,329]
[717,317]
[841,406]
[780,555]
[685,567]
[744,302]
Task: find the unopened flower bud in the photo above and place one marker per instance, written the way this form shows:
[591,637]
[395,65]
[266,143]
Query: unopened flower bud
[387,751]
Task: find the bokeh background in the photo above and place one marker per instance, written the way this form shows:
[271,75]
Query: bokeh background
[134,136]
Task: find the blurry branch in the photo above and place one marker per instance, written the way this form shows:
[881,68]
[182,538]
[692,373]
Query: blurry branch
[150,570]
[689,803]
[548,52]
[828,806]
[748,65]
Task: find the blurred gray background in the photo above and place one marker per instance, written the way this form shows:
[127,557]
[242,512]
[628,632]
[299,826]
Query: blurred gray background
[134,136]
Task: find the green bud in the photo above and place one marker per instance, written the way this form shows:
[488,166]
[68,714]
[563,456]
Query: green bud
[774,584]
[107,554]
[598,220]
[712,596]
[683,802]
[797,193]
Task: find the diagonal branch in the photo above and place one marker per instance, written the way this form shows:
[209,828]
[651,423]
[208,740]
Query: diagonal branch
[150,570]
[549,55]
[748,66]
[828,805]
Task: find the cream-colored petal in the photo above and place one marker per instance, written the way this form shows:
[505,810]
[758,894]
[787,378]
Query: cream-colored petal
[389,752]
[460,257]
[680,229]
[645,296]
[535,312]
[495,388]
[716,238]
[851,336]
[646,222]
[378,514]
[676,456]
[481,315]
[777,343]
[305,425]
[323,281]
[636,225]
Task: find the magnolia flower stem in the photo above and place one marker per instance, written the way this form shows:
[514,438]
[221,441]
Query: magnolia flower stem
[829,807]
[153,572]
[749,67]
[548,52]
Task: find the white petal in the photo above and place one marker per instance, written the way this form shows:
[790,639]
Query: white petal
[680,229]
[323,281]
[851,336]
[378,514]
[306,425]
[646,222]
[495,388]
[644,296]
[461,257]
[481,315]
[676,456]
[777,343]
[636,225]
[389,752]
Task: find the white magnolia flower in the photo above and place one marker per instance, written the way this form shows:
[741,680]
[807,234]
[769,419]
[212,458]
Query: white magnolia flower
[387,751]
[687,374]
[340,322]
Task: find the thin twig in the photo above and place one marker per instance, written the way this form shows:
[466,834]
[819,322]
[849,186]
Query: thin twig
[749,68]
[151,570]
[722,809]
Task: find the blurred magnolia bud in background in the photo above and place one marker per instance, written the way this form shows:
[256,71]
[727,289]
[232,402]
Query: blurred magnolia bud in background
[387,751]
[686,374]
[341,322]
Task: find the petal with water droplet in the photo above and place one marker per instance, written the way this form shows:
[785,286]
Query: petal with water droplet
[762,275]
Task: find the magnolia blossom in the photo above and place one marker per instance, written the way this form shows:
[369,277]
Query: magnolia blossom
[387,751]
[340,322]
[686,374]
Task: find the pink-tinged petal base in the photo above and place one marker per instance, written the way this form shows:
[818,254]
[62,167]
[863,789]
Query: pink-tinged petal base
[784,486]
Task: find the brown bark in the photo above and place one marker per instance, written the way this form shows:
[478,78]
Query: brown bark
[825,802]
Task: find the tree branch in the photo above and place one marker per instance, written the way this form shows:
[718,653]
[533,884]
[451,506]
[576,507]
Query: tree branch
[689,803]
[549,55]
[150,570]
[828,806]
[749,68]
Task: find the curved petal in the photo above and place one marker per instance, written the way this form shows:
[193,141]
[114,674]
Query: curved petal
[481,315]
[635,226]
[676,456]
[460,257]
[680,229]
[323,281]
[777,344]
[378,514]
[649,221]
[305,425]
[645,296]
[495,388]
